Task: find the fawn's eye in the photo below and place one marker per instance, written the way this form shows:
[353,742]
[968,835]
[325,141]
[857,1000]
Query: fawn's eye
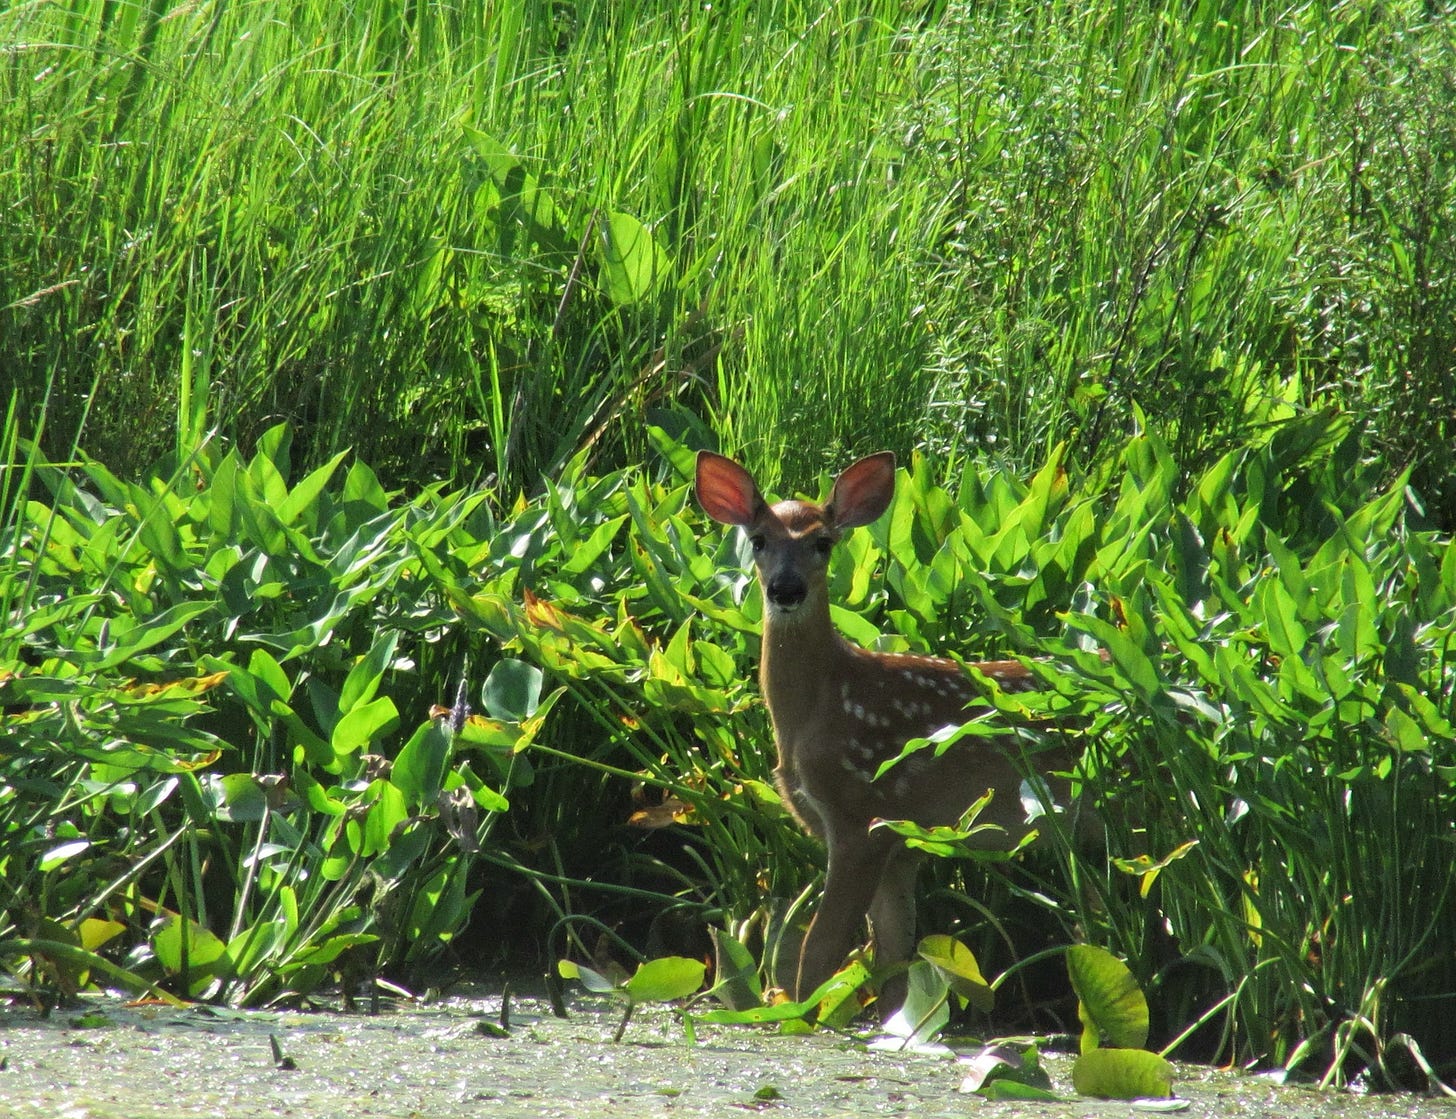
[824,545]
[756,542]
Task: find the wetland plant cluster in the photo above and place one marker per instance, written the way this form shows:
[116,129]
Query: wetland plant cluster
[238,764]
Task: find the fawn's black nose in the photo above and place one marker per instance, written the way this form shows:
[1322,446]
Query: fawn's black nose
[787,590]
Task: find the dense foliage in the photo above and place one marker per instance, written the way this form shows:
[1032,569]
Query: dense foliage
[221,762]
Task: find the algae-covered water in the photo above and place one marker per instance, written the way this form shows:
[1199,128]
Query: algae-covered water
[110,1060]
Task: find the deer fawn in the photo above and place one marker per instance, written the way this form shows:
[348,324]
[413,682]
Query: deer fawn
[839,711]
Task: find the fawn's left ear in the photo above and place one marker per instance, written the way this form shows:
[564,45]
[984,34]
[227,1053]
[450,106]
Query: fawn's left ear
[726,491]
[863,491]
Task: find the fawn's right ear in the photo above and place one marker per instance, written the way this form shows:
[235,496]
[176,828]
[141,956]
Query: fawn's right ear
[863,491]
[726,491]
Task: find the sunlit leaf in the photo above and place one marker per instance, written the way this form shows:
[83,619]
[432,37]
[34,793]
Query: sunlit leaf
[419,768]
[736,983]
[958,966]
[1110,1003]
[666,978]
[513,690]
[1122,1074]
[97,931]
[61,852]
[1018,1068]
[589,978]
[185,946]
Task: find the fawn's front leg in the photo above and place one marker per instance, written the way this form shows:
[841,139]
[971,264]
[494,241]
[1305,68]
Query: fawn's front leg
[892,921]
[857,865]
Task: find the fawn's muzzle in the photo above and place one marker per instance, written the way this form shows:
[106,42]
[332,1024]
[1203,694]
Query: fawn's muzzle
[786,591]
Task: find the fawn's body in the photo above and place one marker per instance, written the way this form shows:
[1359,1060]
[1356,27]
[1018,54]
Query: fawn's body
[840,711]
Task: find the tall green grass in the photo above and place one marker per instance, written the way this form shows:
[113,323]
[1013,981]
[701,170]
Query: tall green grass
[473,239]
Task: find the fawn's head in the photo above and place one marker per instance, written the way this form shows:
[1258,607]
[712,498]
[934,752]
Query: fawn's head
[792,540]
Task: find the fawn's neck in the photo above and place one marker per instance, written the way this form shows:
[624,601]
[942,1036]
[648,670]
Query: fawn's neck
[802,655]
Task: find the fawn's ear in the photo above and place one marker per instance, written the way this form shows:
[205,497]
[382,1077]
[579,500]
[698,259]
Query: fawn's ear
[726,491]
[863,491]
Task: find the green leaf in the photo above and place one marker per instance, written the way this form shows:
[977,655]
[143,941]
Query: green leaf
[513,690]
[419,770]
[592,980]
[304,496]
[1405,733]
[1122,1074]
[1005,1089]
[585,554]
[387,812]
[363,679]
[327,951]
[151,633]
[361,485]
[239,797]
[736,983]
[1286,633]
[836,1000]
[1110,1003]
[958,966]
[1018,1069]
[364,725]
[632,262]
[925,1012]
[667,978]
[180,945]
[61,852]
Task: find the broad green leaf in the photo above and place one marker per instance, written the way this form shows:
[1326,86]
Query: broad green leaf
[1110,1003]
[256,943]
[364,725]
[361,485]
[1007,1089]
[97,931]
[222,498]
[184,944]
[958,966]
[1019,1068]
[419,769]
[632,261]
[1285,632]
[585,554]
[267,671]
[756,1015]
[388,811]
[239,797]
[736,983]
[1404,732]
[666,978]
[512,690]
[406,847]
[519,189]
[1435,724]
[315,795]
[1122,1074]
[62,852]
[363,679]
[327,951]
[924,1013]
[589,978]
[303,498]
[836,1000]
[151,633]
